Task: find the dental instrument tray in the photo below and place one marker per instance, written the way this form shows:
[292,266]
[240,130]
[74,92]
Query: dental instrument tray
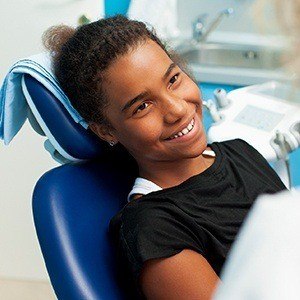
[267,116]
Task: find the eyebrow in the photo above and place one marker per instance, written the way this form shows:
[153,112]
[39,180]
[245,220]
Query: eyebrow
[134,100]
[171,67]
[142,95]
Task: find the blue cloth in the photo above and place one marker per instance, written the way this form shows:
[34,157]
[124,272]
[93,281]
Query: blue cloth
[13,105]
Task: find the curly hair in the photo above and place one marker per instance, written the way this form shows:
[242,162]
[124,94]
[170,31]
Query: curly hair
[81,55]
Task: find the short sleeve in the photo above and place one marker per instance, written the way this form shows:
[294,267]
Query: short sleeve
[157,233]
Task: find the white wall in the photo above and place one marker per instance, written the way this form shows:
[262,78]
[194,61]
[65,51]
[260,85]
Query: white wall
[24,160]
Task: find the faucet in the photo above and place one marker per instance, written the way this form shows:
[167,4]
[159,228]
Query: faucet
[200,32]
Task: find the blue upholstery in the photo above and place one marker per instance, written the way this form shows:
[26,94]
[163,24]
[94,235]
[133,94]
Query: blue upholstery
[71,136]
[72,206]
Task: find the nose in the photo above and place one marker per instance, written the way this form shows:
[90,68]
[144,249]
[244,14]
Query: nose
[174,109]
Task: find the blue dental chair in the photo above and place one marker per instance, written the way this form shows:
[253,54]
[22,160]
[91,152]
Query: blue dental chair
[73,203]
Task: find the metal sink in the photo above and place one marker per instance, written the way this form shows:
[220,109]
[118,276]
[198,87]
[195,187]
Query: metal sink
[231,55]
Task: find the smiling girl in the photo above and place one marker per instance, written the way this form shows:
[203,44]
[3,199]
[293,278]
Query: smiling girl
[190,198]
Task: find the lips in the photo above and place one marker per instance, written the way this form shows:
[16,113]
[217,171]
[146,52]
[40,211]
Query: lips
[184,129]
[190,137]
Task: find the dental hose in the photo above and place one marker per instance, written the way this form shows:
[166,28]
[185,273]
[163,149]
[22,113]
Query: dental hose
[282,143]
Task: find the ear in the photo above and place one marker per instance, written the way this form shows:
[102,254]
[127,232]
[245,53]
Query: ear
[103,131]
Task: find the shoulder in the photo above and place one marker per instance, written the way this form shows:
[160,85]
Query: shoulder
[144,213]
[238,147]
[130,211]
[156,222]
[239,143]
[135,215]
[159,223]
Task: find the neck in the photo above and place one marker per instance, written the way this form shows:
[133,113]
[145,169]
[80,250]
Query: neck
[163,174]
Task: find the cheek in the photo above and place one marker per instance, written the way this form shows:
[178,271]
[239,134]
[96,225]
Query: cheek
[143,132]
[149,130]
[189,90]
[195,92]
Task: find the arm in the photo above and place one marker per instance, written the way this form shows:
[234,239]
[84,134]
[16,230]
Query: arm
[186,275]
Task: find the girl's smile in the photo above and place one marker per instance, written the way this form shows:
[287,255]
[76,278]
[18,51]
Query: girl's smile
[188,133]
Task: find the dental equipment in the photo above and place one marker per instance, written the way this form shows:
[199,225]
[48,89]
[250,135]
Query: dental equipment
[221,97]
[282,145]
[262,116]
[200,32]
[212,108]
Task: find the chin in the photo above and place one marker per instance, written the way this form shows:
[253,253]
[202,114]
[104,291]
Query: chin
[202,144]
[197,150]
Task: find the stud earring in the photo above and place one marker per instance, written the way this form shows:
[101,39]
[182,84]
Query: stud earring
[111,143]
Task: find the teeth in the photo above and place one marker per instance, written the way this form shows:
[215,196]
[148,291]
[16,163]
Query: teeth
[184,131]
[190,127]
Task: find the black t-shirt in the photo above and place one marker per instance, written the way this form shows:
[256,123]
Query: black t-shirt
[204,213]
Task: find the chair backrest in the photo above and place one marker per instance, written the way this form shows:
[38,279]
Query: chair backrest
[73,204]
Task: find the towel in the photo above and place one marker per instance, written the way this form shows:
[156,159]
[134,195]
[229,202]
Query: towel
[14,109]
[162,15]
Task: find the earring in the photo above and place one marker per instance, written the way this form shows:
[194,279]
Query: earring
[111,143]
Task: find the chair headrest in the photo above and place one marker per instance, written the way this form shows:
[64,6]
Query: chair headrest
[68,138]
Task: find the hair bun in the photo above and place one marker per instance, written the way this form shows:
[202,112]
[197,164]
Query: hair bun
[56,36]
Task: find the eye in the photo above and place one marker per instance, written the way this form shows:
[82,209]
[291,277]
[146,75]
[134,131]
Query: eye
[174,78]
[141,107]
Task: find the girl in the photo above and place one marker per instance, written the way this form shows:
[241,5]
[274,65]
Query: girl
[190,198]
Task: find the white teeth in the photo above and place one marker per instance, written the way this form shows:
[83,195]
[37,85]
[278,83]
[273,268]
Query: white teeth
[184,131]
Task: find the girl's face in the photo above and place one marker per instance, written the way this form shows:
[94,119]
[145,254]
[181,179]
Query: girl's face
[152,100]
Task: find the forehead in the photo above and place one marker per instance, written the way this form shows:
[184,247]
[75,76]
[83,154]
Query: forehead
[141,69]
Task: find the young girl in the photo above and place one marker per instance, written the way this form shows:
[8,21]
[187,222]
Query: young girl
[190,198]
